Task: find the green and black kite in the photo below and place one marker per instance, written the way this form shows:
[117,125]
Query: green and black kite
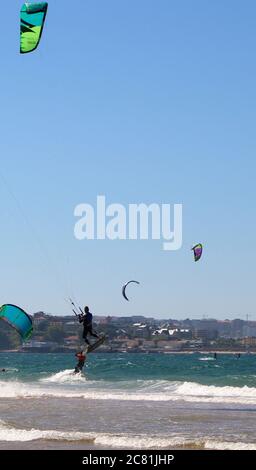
[32,18]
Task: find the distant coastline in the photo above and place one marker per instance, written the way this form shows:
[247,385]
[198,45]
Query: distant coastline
[135,334]
[133,351]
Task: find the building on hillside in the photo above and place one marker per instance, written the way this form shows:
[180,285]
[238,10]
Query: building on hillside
[248,341]
[206,335]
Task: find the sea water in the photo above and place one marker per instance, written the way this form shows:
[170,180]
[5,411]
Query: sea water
[132,401]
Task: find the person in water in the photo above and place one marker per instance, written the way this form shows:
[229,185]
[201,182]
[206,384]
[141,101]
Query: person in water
[81,356]
[86,319]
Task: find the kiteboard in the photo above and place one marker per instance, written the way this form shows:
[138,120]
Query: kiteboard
[97,343]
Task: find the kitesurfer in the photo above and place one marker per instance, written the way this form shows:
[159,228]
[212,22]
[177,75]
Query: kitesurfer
[81,356]
[86,319]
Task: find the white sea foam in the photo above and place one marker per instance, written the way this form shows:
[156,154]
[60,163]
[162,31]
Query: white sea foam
[141,441]
[211,391]
[207,359]
[8,433]
[64,385]
[222,445]
[65,376]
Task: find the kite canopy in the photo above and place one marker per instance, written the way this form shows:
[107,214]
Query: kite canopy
[198,249]
[18,319]
[124,287]
[32,18]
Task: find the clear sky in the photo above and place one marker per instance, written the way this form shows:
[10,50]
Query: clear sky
[141,101]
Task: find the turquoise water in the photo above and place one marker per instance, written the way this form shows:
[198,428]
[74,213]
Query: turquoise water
[226,370]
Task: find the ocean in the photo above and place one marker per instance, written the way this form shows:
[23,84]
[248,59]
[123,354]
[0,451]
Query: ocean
[128,401]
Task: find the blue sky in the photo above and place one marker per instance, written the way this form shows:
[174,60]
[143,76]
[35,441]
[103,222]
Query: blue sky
[141,101]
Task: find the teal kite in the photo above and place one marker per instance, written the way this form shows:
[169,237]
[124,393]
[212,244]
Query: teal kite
[32,18]
[18,319]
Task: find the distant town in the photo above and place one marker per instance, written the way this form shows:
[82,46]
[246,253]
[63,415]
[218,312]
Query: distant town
[134,334]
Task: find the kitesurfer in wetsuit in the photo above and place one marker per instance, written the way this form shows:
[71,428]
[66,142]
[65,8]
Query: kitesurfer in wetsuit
[81,360]
[86,319]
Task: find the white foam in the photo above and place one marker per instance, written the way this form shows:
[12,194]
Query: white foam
[8,433]
[11,434]
[142,441]
[220,445]
[207,359]
[191,389]
[66,385]
[65,376]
